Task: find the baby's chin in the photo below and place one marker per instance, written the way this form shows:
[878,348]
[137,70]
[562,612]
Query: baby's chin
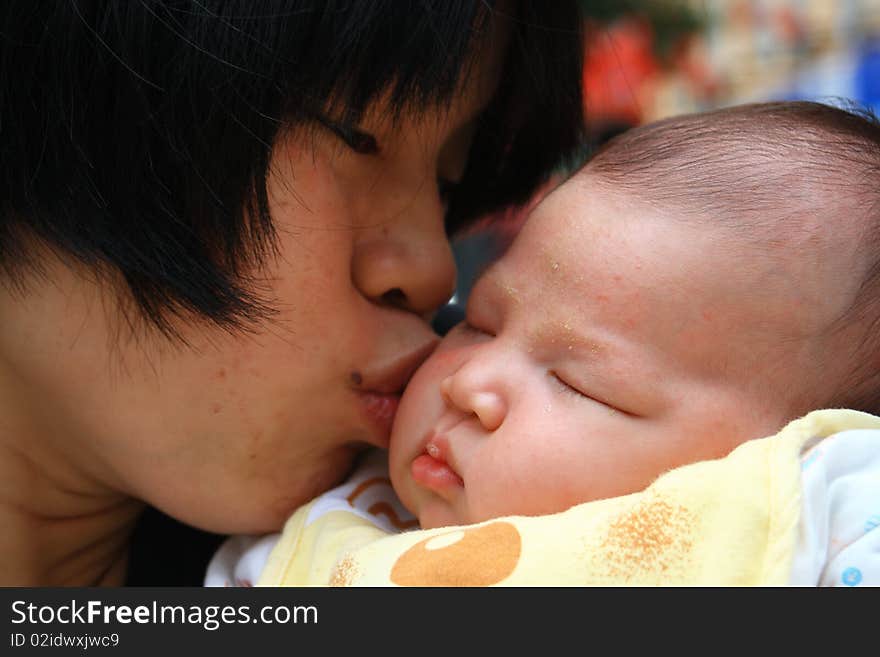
[434,515]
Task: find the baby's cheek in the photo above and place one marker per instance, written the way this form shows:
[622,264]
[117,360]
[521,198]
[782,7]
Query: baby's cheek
[418,410]
[527,484]
[422,402]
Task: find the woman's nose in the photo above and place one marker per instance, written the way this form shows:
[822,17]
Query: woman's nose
[406,264]
[464,392]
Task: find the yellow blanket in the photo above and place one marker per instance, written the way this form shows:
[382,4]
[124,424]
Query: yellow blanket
[730,521]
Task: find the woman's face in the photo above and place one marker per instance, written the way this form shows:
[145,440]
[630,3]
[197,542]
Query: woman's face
[231,433]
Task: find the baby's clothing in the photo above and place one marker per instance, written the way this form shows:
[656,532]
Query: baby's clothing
[797,508]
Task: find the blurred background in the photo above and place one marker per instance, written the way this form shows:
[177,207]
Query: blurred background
[654,58]
[648,59]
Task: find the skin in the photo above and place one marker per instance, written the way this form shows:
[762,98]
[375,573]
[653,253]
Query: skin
[608,345]
[231,432]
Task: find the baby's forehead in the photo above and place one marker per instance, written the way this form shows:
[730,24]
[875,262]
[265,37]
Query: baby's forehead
[785,256]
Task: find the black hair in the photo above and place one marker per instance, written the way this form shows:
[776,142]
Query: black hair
[752,169]
[136,136]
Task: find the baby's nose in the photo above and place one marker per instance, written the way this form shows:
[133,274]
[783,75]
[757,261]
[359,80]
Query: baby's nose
[488,406]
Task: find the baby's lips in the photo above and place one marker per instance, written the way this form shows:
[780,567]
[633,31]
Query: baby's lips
[435,475]
[435,469]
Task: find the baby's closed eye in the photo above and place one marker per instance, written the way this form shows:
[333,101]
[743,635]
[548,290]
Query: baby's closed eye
[566,387]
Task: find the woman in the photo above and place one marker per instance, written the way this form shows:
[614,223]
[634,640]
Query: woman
[223,233]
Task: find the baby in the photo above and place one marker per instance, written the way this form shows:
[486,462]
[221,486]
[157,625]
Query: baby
[700,283]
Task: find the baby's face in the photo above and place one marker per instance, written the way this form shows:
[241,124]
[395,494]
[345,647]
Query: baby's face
[608,345]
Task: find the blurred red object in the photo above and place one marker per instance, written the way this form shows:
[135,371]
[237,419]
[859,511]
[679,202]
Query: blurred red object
[619,62]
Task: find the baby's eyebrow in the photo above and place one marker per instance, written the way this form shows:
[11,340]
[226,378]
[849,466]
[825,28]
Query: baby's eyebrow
[491,278]
[565,331]
[495,291]
[565,336]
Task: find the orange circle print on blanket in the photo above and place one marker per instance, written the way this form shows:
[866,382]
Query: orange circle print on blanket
[478,556]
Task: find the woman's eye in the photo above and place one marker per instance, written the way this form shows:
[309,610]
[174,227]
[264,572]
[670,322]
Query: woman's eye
[357,140]
[360,142]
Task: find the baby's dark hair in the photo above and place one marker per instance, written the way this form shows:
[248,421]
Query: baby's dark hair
[752,169]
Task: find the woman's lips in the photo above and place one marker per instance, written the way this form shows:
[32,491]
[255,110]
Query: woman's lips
[432,471]
[379,387]
[380,409]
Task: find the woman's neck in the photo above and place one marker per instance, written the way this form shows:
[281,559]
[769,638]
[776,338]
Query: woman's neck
[88,550]
[58,533]
[45,546]
[66,517]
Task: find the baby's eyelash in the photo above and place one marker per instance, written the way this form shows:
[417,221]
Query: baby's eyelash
[571,390]
[467,327]
[567,387]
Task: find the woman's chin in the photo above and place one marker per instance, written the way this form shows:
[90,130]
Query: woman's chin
[260,503]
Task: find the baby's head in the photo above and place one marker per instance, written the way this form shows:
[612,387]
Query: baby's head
[699,283]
